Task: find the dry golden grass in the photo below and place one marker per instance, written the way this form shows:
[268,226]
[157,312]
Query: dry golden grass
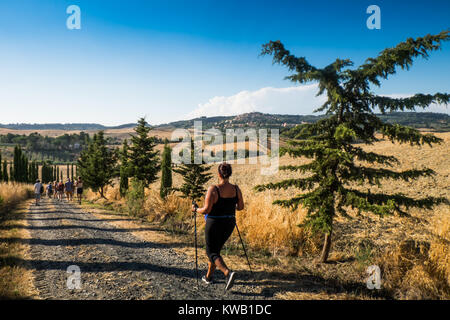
[420,269]
[12,194]
[16,281]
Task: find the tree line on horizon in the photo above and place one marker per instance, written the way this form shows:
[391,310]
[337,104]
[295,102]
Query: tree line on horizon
[21,169]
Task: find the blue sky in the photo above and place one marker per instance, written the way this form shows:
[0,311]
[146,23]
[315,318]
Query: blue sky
[170,60]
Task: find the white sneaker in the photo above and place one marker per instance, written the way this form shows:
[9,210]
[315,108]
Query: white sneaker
[230,280]
[205,280]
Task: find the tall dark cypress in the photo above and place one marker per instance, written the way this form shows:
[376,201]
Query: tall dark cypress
[333,142]
[5,171]
[30,172]
[11,172]
[124,169]
[16,164]
[166,171]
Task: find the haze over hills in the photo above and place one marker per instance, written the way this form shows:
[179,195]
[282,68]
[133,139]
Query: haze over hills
[63,126]
[428,120]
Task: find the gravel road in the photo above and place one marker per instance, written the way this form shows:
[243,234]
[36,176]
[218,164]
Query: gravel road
[113,263]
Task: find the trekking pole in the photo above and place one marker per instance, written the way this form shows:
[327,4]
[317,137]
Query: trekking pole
[245,251]
[195,238]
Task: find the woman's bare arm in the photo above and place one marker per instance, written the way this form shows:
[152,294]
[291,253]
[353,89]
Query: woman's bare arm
[240,204]
[209,201]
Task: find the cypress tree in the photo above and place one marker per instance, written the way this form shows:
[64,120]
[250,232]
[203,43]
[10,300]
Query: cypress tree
[23,168]
[49,172]
[331,143]
[97,164]
[44,173]
[124,169]
[30,172]
[143,158]
[5,171]
[195,176]
[33,171]
[71,172]
[11,172]
[57,174]
[16,164]
[166,171]
[67,171]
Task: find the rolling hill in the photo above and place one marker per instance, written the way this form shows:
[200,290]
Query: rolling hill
[426,120]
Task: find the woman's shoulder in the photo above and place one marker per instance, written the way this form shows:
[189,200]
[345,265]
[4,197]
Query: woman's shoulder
[212,188]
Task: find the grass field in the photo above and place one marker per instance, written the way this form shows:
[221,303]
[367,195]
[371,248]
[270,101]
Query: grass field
[15,279]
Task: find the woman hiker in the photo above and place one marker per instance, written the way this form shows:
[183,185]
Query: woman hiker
[221,203]
[79,186]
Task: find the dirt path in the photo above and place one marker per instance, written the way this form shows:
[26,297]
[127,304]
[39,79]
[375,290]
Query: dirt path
[114,264]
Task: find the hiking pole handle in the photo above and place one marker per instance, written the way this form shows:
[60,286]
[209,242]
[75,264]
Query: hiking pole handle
[195,205]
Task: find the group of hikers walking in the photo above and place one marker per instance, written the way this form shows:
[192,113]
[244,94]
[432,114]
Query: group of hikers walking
[58,189]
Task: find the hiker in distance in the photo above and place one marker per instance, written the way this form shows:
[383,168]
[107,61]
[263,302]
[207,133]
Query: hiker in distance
[68,187]
[37,191]
[79,187]
[49,190]
[221,203]
[55,190]
[60,189]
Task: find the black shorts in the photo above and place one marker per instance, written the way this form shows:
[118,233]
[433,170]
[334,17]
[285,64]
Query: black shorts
[79,190]
[217,232]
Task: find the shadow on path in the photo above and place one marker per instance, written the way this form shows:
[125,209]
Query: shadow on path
[93,241]
[64,227]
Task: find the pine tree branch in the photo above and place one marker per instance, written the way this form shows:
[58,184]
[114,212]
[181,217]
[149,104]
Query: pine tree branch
[403,134]
[400,56]
[305,72]
[371,157]
[303,184]
[308,152]
[410,103]
[372,175]
[301,168]
[292,203]
[384,204]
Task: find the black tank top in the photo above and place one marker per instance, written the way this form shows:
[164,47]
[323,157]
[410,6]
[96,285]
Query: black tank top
[224,207]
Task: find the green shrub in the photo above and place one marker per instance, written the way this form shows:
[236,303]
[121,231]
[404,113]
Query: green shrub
[136,198]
